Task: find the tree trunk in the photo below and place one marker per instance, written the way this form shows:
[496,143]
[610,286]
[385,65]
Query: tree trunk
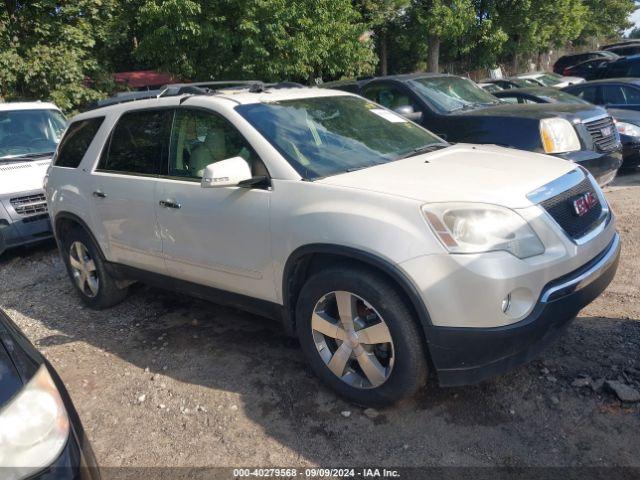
[383,54]
[433,55]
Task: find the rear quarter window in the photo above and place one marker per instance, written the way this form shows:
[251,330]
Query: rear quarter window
[76,141]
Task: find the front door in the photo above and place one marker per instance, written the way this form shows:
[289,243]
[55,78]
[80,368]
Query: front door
[217,237]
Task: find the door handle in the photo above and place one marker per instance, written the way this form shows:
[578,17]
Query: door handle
[169,204]
[99,194]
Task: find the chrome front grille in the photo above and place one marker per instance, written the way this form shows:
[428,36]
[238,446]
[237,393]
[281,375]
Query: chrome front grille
[561,210]
[29,204]
[558,198]
[603,133]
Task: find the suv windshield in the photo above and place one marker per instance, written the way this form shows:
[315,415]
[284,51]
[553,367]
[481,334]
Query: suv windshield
[453,93]
[28,134]
[324,136]
[549,79]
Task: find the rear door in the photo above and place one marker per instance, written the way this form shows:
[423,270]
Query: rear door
[124,184]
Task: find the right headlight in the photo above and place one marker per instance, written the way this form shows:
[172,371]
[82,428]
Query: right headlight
[478,228]
[558,136]
[34,428]
[628,129]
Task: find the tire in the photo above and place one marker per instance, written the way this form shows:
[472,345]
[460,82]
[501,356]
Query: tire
[401,368]
[81,256]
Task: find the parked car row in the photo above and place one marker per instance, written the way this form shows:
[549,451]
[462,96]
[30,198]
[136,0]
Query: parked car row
[627,121]
[458,110]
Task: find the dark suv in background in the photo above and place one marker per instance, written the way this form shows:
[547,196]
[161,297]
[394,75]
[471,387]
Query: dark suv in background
[622,67]
[567,61]
[458,110]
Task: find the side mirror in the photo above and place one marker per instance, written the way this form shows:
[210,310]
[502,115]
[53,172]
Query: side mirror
[408,112]
[226,173]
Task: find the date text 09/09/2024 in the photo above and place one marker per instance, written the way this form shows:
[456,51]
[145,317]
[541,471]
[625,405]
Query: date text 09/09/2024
[316,472]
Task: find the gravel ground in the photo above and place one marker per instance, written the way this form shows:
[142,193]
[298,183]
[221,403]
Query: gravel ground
[166,380]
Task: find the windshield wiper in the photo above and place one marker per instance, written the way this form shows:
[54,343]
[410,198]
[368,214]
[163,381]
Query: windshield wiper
[431,147]
[25,156]
[362,167]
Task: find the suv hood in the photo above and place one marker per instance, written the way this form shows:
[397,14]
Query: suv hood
[18,177]
[461,173]
[571,112]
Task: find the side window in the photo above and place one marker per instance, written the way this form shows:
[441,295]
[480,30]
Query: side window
[612,95]
[76,141]
[631,95]
[634,70]
[138,142]
[588,94]
[617,69]
[389,96]
[510,99]
[200,138]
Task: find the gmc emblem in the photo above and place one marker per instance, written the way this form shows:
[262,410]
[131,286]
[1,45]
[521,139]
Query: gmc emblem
[584,203]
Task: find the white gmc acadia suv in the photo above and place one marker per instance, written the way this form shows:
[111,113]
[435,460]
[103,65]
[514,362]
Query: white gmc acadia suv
[386,251]
[29,133]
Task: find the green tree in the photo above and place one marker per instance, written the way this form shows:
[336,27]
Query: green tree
[441,20]
[534,27]
[381,16]
[267,39]
[607,18]
[635,33]
[47,50]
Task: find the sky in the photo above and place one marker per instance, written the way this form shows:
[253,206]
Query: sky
[635,18]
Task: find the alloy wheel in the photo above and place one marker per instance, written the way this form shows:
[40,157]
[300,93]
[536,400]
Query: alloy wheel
[352,339]
[84,269]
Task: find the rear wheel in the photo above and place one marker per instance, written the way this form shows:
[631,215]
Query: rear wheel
[96,287]
[360,336]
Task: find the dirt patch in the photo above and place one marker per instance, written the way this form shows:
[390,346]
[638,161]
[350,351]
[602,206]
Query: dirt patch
[167,380]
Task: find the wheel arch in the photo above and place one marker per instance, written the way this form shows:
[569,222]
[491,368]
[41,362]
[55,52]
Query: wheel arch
[65,221]
[313,257]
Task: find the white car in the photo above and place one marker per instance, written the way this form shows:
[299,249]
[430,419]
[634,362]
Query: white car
[384,249]
[550,79]
[29,134]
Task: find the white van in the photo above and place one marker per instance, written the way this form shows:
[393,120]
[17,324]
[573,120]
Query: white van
[29,134]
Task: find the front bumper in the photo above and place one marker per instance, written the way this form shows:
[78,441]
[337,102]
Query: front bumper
[630,155]
[465,356]
[603,166]
[16,229]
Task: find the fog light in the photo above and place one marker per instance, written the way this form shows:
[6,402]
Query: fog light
[506,303]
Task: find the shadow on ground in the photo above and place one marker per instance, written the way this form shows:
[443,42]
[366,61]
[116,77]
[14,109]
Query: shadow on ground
[530,416]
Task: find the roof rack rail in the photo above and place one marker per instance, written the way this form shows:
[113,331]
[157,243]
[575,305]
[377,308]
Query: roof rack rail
[195,88]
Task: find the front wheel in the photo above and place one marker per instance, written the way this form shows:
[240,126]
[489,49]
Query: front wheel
[360,336]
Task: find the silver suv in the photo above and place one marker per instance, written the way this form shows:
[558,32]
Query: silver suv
[384,249]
